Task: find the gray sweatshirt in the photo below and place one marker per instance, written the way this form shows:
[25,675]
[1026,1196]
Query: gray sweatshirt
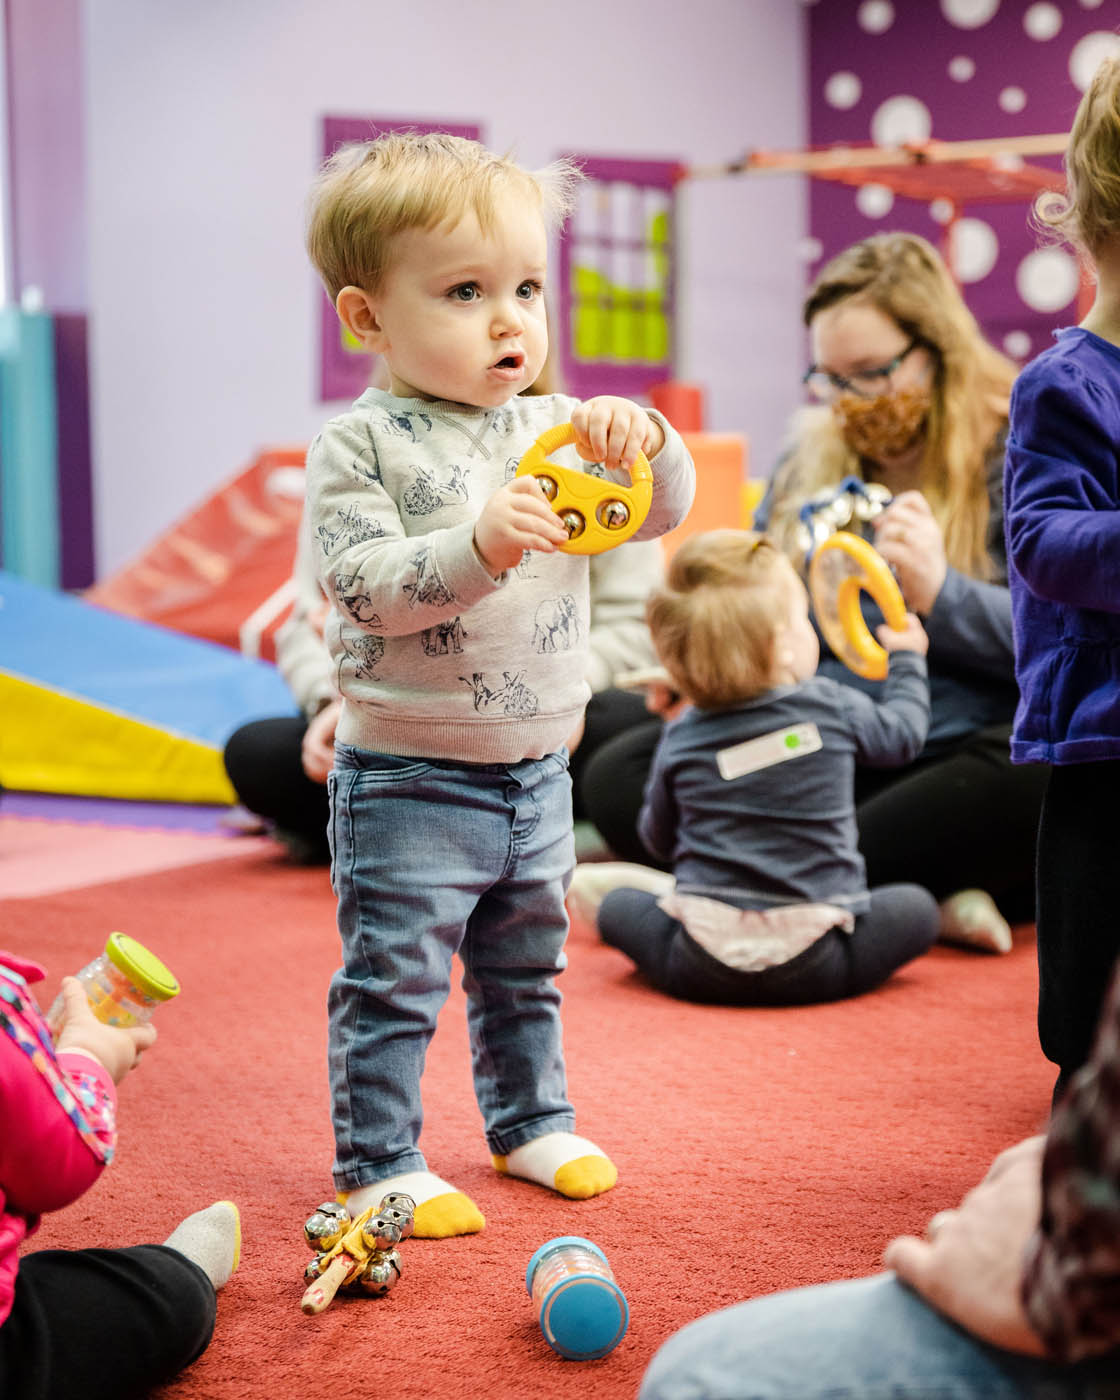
[434,657]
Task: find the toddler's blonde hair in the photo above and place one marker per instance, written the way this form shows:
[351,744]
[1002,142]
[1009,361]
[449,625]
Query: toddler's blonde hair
[726,595]
[367,192]
[1089,212]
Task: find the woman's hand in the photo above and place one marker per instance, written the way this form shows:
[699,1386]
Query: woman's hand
[118,1048]
[910,540]
[317,749]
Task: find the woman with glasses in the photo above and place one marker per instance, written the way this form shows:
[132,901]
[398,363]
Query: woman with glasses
[911,397]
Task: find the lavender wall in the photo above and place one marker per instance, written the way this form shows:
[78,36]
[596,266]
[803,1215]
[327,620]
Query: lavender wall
[896,72]
[203,131]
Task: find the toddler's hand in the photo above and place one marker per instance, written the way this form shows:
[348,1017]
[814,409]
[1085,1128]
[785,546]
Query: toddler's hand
[912,637]
[118,1048]
[613,431]
[517,517]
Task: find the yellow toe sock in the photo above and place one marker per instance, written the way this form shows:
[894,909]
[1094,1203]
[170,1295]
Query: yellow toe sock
[447,1215]
[566,1163]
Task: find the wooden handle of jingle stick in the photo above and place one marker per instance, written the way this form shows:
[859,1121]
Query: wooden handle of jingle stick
[578,497]
[319,1294]
[844,566]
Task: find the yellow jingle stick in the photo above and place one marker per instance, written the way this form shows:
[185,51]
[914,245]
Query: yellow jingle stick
[842,567]
[597,514]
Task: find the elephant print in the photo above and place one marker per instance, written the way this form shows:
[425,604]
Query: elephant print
[556,625]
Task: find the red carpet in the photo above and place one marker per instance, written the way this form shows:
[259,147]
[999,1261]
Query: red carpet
[756,1149]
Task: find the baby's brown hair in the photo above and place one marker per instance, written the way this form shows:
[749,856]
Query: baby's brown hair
[725,597]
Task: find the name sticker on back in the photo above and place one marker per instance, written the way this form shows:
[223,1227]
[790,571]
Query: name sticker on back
[763,752]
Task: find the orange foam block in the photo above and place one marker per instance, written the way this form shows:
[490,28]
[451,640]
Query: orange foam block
[724,496]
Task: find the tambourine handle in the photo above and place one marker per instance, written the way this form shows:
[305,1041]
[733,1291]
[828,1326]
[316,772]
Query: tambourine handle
[842,567]
[580,495]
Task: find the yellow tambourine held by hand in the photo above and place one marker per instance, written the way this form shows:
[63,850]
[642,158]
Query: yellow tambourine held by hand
[842,567]
[597,513]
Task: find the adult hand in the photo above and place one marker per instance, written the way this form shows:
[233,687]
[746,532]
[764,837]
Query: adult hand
[612,431]
[910,540]
[317,749]
[517,517]
[118,1048]
[969,1266]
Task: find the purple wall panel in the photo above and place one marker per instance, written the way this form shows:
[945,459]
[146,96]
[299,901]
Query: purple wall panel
[342,373]
[75,486]
[895,73]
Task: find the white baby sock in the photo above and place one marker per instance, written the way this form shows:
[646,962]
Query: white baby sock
[211,1238]
[441,1210]
[563,1162]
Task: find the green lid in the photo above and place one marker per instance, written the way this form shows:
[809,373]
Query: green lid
[144,969]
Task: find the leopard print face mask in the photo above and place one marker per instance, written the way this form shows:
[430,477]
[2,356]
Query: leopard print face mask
[885,426]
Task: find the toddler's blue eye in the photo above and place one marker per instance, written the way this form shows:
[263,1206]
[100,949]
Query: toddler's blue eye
[467,292]
[528,290]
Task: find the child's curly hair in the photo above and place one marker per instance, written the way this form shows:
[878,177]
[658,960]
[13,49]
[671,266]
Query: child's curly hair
[714,620]
[1089,212]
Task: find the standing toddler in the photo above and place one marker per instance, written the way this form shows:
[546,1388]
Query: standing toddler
[458,638]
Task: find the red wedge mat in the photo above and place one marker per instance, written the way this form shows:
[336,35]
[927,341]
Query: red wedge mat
[757,1149]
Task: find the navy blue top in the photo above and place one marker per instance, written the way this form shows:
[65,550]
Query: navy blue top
[971,656]
[784,833]
[1062,486]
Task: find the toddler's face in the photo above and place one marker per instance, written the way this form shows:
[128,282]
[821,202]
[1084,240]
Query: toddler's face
[461,314]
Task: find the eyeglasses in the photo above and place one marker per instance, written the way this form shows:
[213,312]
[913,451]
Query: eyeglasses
[865,384]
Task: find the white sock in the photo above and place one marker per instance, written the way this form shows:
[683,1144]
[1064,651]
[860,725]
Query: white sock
[970,917]
[211,1238]
[563,1162]
[442,1210]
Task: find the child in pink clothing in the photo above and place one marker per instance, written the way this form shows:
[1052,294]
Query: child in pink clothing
[94,1322]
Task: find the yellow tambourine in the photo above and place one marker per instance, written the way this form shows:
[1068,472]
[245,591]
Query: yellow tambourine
[844,566]
[597,514]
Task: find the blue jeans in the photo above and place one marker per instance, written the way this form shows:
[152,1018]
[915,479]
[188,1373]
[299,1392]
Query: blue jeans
[429,859]
[864,1339]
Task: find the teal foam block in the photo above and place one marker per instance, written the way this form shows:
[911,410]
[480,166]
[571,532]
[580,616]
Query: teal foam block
[189,687]
[29,532]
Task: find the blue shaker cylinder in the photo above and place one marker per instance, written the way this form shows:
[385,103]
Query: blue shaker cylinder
[583,1313]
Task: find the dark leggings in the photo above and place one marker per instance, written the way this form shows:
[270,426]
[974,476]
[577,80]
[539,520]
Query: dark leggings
[967,818]
[1078,908]
[265,765]
[901,924]
[103,1324]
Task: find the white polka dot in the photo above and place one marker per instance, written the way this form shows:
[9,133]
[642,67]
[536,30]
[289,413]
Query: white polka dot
[1017,344]
[810,249]
[961,68]
[974,249]
[1089,53]
[1042,22]
[843,90]
[1047,279]
[1008,160]
[875,16]
[1091,4]
[1012,99]
[901,120]
[969,14]
[873,201]
[942,210]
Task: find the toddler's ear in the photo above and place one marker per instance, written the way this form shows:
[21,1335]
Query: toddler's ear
[358,314]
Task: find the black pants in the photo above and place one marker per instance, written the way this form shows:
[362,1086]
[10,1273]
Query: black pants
[967,818]
[103,1324]
[265,766]
[901,924]
[1078,908]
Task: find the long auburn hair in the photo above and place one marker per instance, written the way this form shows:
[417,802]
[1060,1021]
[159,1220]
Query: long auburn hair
[904,277]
